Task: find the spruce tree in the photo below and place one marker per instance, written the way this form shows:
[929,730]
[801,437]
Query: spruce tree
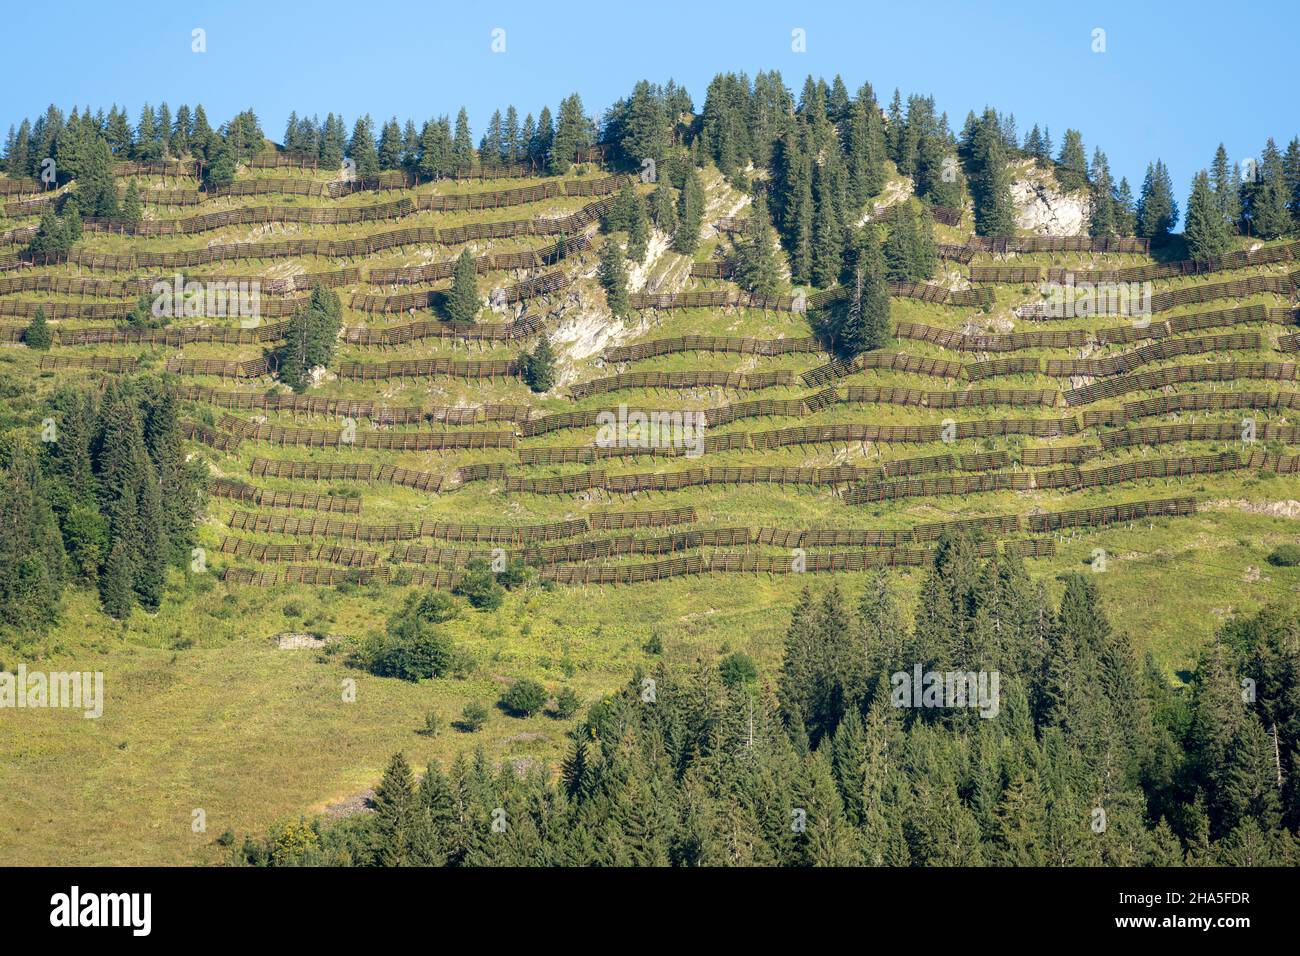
[757,270]
[862,322]
[396,815]
[663,208]
[613,277]
[1157,212]
[132,208]
[539,366]
[37,334]
[1072,164]
[463,301]
[690,214]
[1102,223]
[1227,188]
[1206,230]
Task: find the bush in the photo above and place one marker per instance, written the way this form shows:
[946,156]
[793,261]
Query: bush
[524,698]
[473,717]
[412,646]
[479,586]
[737,669]
[1285,556]
[655,645]
[432,725]
[566,704]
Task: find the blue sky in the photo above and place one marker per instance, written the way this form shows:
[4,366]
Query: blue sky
[1174,80]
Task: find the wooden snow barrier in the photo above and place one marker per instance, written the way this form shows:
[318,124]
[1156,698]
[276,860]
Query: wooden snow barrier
[341,248]
[98,363]
[273,553]
[619,520]
[348,408]
[263,497]
[1065,477]
[991,342]
[221,441]
[425,368]
[335,528]
[1177,374]
[681,380]
[491,262]
[345,438]
[1120,244]
[1244,259]
[1112,514]
[346,471]
[1190,402]
[711,343]
[1195,431]
[1126,362]
[528,289]
[253,368]
[1015,275]
[131,288]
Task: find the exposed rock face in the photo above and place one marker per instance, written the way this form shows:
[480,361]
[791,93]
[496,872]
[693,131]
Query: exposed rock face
[1044,209]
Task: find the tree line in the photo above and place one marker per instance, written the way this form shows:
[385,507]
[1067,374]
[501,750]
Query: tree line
[97,492]
[1091,756]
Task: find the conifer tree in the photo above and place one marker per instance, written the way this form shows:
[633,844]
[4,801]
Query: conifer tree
[1266,196]
[1101,223]
[1206,230]
[37,334]
[690,214]
[1157,212]
[361,149]
[1227,188]
[539,366]
[862,322]
[132,208]
[463,301]
[1125,211]
[1072,163]
[462,145]
[757,271]
[571,135]
[390,145]
[396,815]
[613,277]
[663,208]
[900,245]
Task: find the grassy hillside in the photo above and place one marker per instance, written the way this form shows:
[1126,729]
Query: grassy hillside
[204,711]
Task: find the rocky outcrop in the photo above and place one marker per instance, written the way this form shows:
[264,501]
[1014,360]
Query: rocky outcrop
[1043,208]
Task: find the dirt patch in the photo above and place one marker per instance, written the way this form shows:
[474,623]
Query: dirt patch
[296,642]
[1286,508]
[357,803]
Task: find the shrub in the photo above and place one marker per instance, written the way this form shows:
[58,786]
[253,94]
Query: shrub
[566,704]
[432,725]
[1285,556]
[412,646]
[524,698]
[737,669]
[655,645]
[473,716]
[479,586]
